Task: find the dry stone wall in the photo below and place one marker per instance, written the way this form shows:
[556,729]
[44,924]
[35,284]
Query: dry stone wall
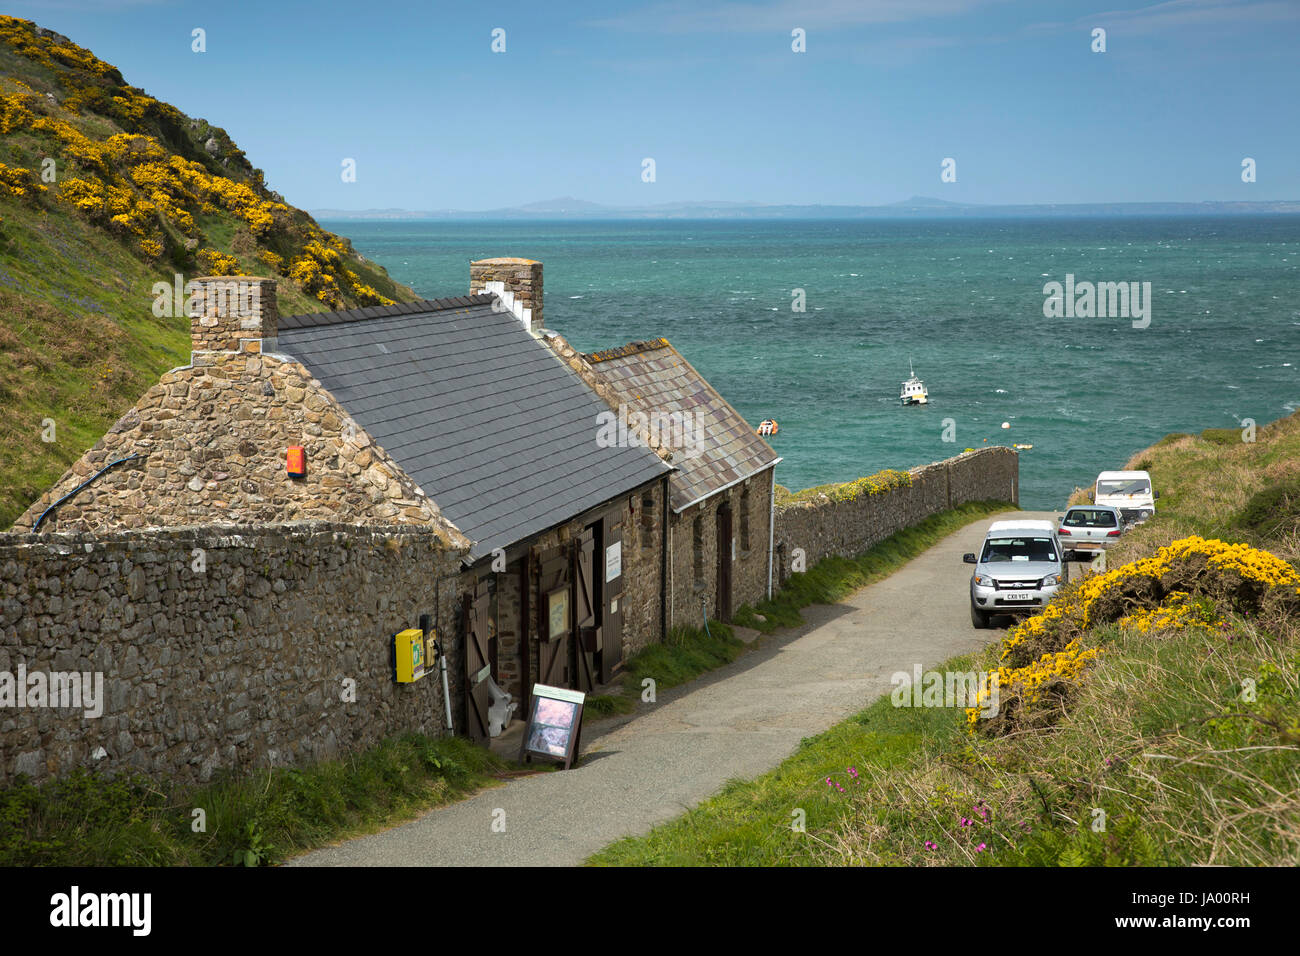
[218,648]
[846,528]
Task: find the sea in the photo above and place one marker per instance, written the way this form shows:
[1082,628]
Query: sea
[960,301]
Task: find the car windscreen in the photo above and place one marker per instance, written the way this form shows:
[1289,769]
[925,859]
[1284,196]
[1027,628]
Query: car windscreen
[1018,549]
[1127,486]
[1089,518]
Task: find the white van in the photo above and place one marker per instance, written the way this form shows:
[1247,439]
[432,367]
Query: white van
[1129,492]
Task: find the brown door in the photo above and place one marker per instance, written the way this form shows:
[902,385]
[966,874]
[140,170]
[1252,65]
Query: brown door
[555,615]
[611,571]
[478,653]
[725,547]
[586,611]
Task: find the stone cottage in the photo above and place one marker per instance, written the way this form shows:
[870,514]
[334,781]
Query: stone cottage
[448,414]
[560,583]
[721,493]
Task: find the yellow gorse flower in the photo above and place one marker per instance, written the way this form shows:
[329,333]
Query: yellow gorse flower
[1136,596]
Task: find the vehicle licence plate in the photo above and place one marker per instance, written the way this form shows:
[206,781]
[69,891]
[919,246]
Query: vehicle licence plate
[1017,596]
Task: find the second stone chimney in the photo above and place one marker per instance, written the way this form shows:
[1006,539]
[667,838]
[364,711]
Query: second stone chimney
[516,282]
[233,314]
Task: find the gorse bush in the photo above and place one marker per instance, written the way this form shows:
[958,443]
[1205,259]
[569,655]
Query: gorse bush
[152,183]
[1189,583]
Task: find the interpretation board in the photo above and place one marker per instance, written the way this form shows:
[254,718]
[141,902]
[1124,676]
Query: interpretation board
[554,730]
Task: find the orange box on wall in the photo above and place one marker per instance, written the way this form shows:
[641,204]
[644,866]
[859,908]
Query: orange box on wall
[297,462]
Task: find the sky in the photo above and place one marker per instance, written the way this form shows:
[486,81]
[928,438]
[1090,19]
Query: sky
[716,95]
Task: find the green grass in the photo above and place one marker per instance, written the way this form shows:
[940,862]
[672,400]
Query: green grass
[255,819]
[688,653]
[1159,740]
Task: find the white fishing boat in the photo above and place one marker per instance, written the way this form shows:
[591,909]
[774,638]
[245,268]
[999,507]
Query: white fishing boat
[913,392]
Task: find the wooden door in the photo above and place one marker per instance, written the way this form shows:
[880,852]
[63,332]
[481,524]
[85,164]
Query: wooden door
[611,571]
[555,630]
[477,608]
[725,548]
[586,611]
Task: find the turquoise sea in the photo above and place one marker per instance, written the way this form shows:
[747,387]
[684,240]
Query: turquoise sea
[962,300]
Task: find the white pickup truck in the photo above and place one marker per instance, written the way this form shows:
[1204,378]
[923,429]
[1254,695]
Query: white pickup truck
[1128,492]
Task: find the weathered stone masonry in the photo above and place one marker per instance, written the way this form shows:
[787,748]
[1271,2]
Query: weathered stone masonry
[518,283]
[240,664]
[694,556]
[846,528]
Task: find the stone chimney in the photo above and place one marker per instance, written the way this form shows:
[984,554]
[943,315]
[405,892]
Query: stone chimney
[233,314]
[517,283]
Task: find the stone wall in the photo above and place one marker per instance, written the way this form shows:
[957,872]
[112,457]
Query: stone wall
[846,528]
[694,573]
[643,548]
[219,648]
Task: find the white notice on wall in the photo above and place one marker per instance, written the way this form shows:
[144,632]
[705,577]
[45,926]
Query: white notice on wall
[613,561]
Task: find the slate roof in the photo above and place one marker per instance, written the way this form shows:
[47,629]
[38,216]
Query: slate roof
[653,376]
[497,430]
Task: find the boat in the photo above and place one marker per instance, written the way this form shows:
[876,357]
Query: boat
[913,391]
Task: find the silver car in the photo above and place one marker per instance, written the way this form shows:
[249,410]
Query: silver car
[1088,529]
[1017,571]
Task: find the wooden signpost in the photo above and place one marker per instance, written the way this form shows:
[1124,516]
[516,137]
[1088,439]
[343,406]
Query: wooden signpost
[554,730]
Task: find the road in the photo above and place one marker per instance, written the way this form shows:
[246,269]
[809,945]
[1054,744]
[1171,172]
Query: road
[738,721]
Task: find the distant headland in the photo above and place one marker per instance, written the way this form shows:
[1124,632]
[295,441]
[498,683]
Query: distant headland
[918,207]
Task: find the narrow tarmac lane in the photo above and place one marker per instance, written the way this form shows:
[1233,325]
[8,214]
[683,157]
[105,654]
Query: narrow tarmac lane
[738,721]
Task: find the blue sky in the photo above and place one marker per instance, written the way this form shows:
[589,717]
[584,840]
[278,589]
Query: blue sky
[715,95]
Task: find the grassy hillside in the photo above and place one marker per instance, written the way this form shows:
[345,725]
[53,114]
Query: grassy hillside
[105,191]
[1150,716]
[1220,486]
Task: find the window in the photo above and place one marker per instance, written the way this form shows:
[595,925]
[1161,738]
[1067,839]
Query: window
[1125,486]
[1018,549]
[1089,518]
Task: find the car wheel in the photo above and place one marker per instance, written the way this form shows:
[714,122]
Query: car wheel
[979,618]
